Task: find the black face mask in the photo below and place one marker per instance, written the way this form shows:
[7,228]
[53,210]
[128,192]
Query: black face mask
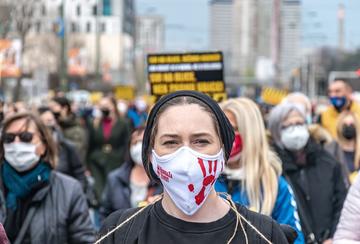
[349,132]
[56,115]
[105,112]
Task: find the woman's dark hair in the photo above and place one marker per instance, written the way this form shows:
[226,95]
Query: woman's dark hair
[50,155]
[225,132]
[64,103]
[114,103]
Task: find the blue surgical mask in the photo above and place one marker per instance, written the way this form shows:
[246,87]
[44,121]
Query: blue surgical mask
[338,102]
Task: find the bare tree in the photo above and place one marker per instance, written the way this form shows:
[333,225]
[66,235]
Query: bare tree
[20,18]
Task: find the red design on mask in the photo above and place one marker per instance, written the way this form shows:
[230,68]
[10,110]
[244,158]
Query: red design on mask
[191,187]
[208,180]
[237,145]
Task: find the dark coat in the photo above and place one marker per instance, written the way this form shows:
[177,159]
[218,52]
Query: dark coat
[76,133]
[319,188]
[117,191]
[106,155]
[69,160]
[61,213]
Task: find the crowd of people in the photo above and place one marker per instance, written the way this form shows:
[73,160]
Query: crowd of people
[186,169]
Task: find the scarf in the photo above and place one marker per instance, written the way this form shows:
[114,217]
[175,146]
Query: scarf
[20,186]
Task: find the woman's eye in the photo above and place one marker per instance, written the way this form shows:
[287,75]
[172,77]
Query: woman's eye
[170,143]
[202,142]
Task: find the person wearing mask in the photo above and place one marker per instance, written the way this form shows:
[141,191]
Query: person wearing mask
[186,144]
[340,95]
[347,148]
[108,138]
[253,173]
[129,186]
[69,162]
[69,124]
[313,173]
[348,231]
[319,134]
[40,205]
[137,113]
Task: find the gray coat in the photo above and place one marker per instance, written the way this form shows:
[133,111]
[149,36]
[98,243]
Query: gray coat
[61,214]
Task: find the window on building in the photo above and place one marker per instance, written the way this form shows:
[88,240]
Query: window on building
[38,27]
[73,27]
[78,10]
[94,10]
[88,27]
[107,7]
[103,27]
[43,10]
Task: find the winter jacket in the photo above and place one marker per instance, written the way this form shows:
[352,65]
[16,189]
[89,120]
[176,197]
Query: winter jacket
[76,133]
[335,150]
[284,212]
[105,155]
[348,230]
[69,160]
[117,191]
[319,189]
[61,213]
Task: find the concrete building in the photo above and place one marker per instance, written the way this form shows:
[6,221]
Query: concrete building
[288,28]
[221,26]
[103,32]
[150,33]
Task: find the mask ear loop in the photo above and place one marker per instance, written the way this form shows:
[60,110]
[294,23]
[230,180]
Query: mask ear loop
[239,218]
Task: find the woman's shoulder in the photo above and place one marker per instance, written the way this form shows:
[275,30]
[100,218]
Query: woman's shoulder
[258,224]
[65,182]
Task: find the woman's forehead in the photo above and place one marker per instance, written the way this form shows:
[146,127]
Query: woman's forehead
[21,125]
[189,118]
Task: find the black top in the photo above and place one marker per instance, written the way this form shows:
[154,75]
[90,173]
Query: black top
[156,226]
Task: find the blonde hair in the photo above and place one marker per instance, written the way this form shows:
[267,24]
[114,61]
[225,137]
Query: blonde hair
[342,139]
[262,166]
[239,219]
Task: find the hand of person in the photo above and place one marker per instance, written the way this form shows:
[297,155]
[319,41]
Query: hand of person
[328,241]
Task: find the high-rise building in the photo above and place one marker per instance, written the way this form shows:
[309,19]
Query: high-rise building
[289,38]
[221,28]
[150,33]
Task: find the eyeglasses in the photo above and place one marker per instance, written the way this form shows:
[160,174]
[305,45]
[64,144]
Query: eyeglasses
[24,136]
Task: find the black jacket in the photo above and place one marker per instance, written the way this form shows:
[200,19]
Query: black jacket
[69,160]
[117,190]
[319,189]
[61,213]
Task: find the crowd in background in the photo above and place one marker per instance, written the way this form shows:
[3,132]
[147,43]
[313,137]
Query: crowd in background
[85,163]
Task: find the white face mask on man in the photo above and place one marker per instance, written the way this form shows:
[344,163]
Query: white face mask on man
[188,176]
[20,155]
[295,137]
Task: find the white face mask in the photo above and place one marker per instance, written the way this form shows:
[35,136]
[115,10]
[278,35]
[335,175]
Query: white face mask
[135,153]
[188,176]
[21,156]
[295,137]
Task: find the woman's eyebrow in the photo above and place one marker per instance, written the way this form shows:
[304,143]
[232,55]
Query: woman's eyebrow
[201,134]
[170,135]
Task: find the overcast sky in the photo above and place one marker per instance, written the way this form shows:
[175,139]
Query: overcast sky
[187,22]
